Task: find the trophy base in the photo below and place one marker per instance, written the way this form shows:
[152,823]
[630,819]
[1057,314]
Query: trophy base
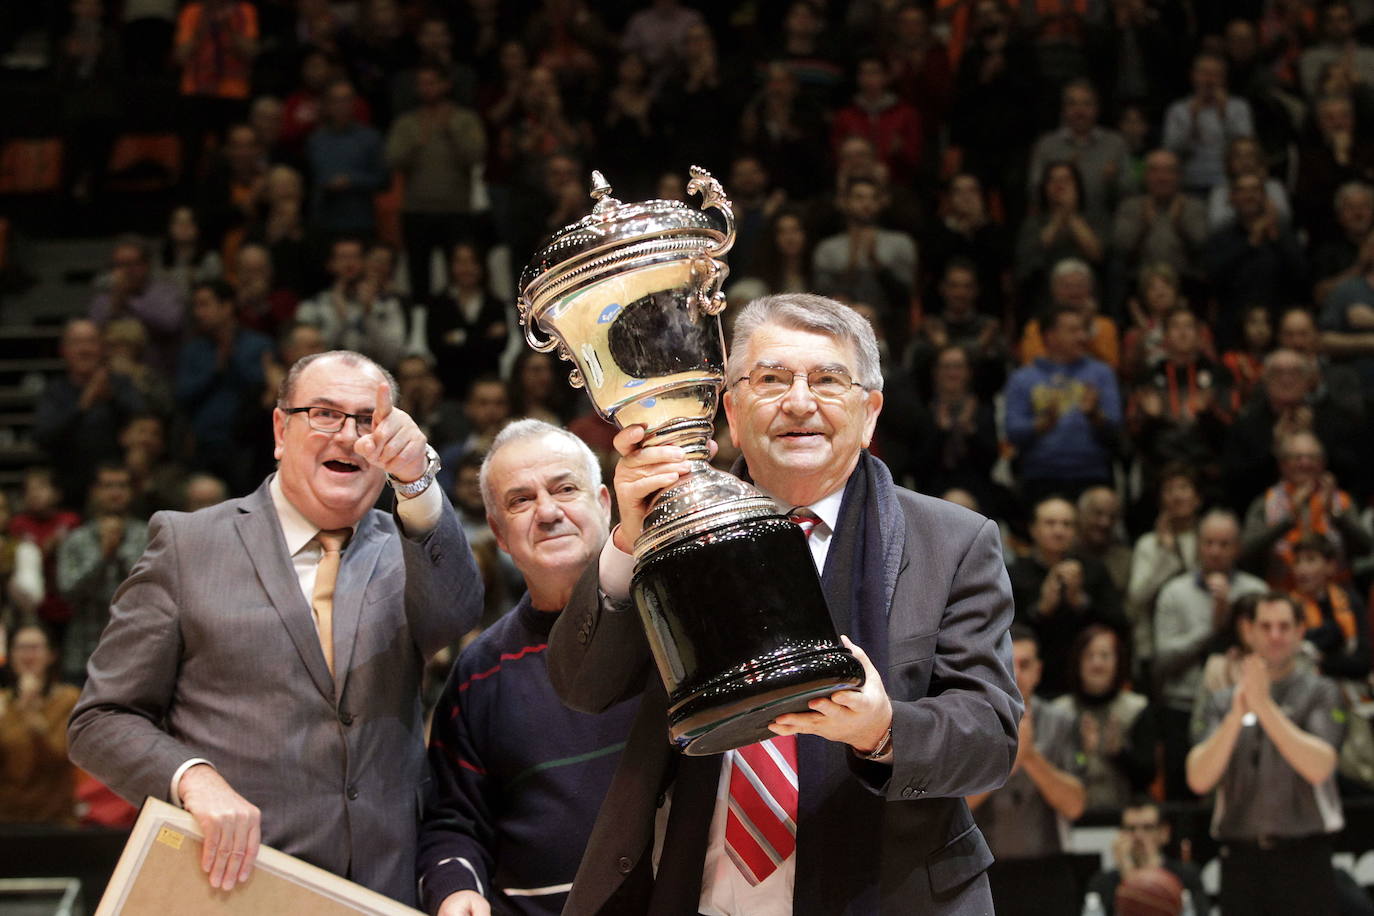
[736,712]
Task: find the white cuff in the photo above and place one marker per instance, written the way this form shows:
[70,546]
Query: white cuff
[176,777]
[420,514]
[617,568]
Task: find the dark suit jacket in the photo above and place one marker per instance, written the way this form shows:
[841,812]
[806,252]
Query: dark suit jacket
[212,652]
[872,838]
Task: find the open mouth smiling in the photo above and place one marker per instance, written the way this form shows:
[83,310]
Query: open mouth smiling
[339,466]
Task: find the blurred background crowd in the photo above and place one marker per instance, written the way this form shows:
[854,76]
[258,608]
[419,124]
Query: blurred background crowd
[1119,254]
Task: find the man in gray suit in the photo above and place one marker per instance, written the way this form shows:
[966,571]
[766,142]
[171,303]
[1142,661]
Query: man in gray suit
[234,681]
[878,774]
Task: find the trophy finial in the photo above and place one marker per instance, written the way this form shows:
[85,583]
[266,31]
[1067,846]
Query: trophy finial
[600,186]
[601,193]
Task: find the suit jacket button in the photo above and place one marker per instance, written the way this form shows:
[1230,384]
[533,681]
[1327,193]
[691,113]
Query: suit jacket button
[346,718]
[625,865]
[582,637]
[908,792]
[436,554]
[352,793]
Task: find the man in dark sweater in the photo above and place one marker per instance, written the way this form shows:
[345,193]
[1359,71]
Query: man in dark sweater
[518,777]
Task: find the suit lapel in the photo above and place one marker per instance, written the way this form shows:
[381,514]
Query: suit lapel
[355,572]
[260,532]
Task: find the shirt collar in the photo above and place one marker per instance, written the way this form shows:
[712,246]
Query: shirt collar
[295,527]
[827,508]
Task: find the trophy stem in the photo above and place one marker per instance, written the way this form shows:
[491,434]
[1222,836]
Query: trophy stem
[690,435]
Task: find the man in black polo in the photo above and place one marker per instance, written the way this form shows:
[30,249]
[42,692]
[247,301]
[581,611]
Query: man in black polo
[1269,745]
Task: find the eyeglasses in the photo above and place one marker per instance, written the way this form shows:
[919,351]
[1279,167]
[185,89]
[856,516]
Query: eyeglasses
[769,382]
[329,420]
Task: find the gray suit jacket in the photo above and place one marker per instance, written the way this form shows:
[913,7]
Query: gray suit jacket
[212,652]
[871,838]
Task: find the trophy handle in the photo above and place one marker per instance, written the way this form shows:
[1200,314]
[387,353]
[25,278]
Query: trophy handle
[713,197]
[708,275]
[527,322]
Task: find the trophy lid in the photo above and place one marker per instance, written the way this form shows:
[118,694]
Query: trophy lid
[613,224]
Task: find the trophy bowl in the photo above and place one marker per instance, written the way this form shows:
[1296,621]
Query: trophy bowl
[724,583]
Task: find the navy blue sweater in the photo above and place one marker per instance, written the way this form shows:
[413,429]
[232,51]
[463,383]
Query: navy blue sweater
[518,777]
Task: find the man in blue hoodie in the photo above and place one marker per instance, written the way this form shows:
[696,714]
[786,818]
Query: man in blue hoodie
[1063,413]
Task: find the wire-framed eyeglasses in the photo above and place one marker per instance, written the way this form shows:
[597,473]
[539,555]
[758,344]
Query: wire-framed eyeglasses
[829,383]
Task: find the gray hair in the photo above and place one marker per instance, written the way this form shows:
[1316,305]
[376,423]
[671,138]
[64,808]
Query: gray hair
[808,312]
[521,430]
[347,357]
[1066,266]
[1086,497]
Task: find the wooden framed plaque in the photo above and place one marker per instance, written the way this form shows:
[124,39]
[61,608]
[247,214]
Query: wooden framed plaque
[159,873]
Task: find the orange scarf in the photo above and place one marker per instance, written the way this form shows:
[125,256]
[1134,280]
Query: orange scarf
[1340,610]
[1279,504]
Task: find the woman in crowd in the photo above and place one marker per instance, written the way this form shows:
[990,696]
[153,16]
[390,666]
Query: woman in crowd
[37,782]
[1167,550]
[465,326]
[784,261]
[280,228]
[126,349]
[959,438]
[1246,362]
[1117,731]
[186,260]
[536,390]
[967,230]
[1158,294]
[1055,229]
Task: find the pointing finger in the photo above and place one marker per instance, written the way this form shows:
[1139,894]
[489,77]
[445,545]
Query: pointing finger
[383,408]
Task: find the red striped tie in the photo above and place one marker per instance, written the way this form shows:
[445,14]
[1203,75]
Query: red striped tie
[804,518]
[761,827]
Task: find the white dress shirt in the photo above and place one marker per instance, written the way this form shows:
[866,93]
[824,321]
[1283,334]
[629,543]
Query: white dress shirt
[724,890]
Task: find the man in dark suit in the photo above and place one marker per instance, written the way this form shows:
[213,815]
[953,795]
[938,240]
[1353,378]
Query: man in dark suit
[877,775]
[263,660]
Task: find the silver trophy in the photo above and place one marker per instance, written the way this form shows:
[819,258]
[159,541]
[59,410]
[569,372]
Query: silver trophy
[724,583]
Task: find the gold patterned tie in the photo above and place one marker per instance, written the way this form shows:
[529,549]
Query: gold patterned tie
[322,599]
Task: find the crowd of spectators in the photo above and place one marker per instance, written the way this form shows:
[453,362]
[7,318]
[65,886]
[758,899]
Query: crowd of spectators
[1120,257]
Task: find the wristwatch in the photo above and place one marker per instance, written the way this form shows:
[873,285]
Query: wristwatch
[419,485]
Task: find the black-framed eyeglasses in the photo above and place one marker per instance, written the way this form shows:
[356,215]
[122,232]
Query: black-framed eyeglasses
[828,383]
[330,420]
